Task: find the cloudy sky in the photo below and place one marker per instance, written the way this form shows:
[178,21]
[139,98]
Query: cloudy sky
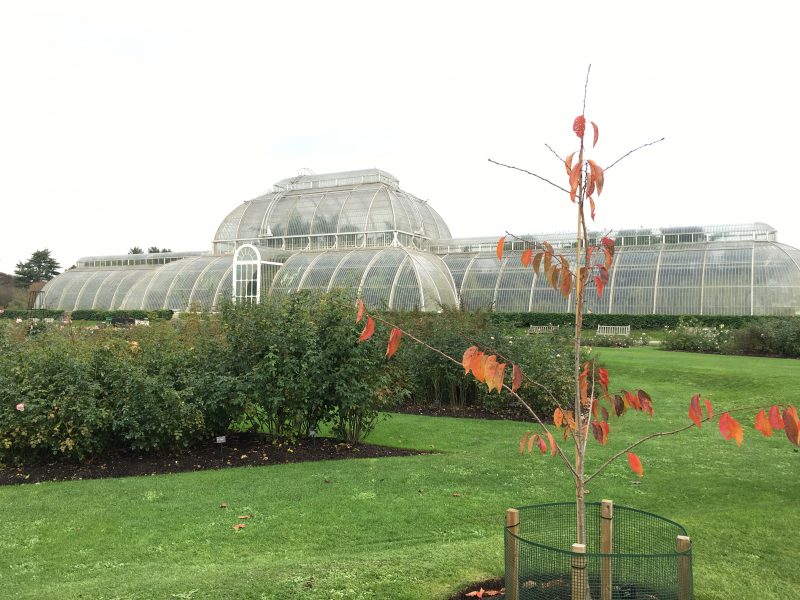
[145,123]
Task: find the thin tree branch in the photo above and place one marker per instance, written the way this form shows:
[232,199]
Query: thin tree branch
[554,152]
[586,89]
[655,435]
[632,151]
[513,393]
[529,173]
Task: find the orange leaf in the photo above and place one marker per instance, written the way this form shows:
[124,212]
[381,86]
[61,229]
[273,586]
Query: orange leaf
[537,261]
[596,134]
[516,378]
[541,444]
[635,464]
[477,594]
[632,400]
[369,329]
[598,175]
[500,243]
[709,408]
[568,163]
[591,204]
[579,126]
[590,186]
[775,419]
[523,442]
[609,258]
[574,181]
[730,428]
[499,376]
[558,417]
[603,376]
[466,361]
[695,414]
[478,360]
[394,342]
[552,277]
[553,447]
[489,367]
[566,283]
[526,257]
[531,441]
[360,313]
[792,425]
[762,423]
[245,516]
[239,526]
[571,420]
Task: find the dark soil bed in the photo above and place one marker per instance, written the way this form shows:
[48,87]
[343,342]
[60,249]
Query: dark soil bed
[490,588]
[240,450]
[508,413]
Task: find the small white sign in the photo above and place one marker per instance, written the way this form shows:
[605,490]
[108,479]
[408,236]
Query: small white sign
[220,439]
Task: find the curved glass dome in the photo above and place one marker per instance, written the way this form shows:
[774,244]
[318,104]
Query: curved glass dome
[354,209]
[190,283]
[712,278]
[390,278]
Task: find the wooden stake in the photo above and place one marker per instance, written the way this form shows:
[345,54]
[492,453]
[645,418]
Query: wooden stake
[512,554]
[606,547]
[683,546]
[579,582]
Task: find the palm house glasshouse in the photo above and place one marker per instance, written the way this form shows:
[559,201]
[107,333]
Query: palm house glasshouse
[360,232]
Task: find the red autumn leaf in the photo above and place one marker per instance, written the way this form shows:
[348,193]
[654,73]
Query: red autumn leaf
[775,418]
[695,414]
[540,443]
[730,428]
[245,516]
[604,413]
[792,425]
[600,431]
[619,404]
[632,400]
[609,258]
[526,257]
[591,201]
[476,594]
[598,284]
[596,134]
[466,361]
[553,447]
[762,423]
[394,342]
[558,417]
[360,313]
[571,420]
[608,243]
[603,376]
[239,526]
[531,441]
[598,175]
[590,187]
[500,244]
[709,408]
[646,401]
[579,126]
[635,464]
[369,329]
[516,378]
[492,592]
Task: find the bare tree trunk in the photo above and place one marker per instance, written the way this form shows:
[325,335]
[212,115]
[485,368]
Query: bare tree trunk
[580,446]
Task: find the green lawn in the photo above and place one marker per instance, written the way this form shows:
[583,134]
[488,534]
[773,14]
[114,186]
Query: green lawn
[392,528]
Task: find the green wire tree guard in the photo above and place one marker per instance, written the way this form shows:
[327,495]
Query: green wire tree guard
[629,555]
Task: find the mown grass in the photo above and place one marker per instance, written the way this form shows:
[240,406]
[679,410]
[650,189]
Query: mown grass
[393,528]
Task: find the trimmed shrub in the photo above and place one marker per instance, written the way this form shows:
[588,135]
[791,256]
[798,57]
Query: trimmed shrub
[690,336]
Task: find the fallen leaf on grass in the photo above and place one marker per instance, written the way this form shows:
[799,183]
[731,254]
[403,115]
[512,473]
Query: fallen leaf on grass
[239,526]
[245,517]
[223,505]
[456,495]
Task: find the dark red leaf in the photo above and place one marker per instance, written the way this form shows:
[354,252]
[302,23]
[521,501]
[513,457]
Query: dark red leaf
[394,342]
[695,414]
[579,126]
[369,329]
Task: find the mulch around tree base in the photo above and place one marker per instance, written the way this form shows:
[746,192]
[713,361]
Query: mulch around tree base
[492,586]
[240,450]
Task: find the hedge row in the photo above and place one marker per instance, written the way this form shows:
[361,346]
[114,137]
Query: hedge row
[89,315]
[635,321]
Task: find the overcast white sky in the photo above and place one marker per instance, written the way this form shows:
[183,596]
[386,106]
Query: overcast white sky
[145,123]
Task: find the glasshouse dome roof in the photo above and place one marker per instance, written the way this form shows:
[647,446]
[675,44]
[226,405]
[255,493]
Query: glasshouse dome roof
[336,210]
[358,231]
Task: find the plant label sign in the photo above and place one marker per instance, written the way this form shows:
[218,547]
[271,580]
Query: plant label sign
[220,439]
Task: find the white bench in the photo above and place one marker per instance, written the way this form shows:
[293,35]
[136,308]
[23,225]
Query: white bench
[614,330]
[543,328]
